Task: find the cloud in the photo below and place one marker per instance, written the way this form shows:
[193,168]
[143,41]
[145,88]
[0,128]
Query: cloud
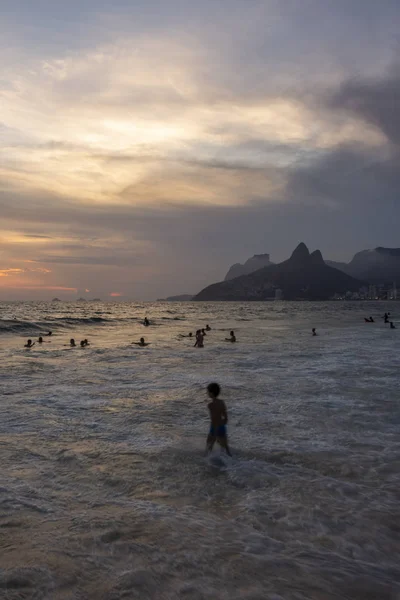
[375,100]
[96,123]
[173,140]
[10,272]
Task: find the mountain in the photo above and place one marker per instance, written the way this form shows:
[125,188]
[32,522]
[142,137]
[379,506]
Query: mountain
[181,298]
[258,261]
[378,266]
[303,276]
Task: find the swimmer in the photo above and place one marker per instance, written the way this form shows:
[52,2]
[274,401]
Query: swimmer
[141,343]
[392,325]
[219,419]
[386,317]
[83,345]
[86,342]
[314,331]
[199,339]
[29,344]
[232,338]
[208,328]
[72,343]
[49,333]
[182,335]
[146,322]
[40,340]
[370,320]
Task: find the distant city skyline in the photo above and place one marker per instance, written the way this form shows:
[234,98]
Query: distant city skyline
[148,146]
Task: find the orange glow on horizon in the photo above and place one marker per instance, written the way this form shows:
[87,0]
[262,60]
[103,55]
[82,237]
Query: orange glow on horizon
[43,287]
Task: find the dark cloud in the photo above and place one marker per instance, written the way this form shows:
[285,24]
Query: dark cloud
[131,259]
[37,237]
[377,101]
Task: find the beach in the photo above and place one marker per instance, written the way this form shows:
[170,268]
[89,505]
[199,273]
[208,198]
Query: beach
[105,490]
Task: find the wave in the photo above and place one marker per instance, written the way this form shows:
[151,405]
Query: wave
[17,326]
[42,326]
[173,318]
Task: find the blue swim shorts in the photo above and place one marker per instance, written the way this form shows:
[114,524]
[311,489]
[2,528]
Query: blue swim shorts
[218,431]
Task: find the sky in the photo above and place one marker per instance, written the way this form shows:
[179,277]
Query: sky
[147,145]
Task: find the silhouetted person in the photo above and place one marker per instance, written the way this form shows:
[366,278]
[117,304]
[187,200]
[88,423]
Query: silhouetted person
[40,340]
[182,335]
[203,331]
[141,343]
[49,333]
[314,331]
[208,328]
[146,322]
[83,345]
[86,342]
[219,419]
[29,344]
[370,320]
[386,317]
[72,343]
[199,339]
[232,338]
[392,325]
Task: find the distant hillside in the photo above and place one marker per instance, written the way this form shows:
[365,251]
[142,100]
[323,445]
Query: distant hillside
[258,261]
[181,298]
[377,266]
[303,276]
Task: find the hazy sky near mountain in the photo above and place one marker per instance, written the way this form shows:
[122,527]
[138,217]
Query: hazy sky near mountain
[148,145]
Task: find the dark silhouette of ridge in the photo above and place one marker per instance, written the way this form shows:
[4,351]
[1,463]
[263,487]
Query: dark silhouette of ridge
[303,276]
[377,266]
[258,261]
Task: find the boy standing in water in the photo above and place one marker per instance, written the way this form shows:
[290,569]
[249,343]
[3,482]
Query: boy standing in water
[219,419]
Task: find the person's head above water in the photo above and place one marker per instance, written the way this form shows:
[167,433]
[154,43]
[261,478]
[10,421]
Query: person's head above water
[232,333]
[40,340]
[213,390]
[142,340]
[83,343]
[72,342]
[190,334]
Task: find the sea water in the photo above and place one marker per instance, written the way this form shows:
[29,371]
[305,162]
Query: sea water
[105,492]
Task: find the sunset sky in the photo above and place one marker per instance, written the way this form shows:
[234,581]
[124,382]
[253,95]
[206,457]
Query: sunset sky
[148,145]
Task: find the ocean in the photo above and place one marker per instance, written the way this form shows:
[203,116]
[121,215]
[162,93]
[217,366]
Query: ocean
[105,492]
